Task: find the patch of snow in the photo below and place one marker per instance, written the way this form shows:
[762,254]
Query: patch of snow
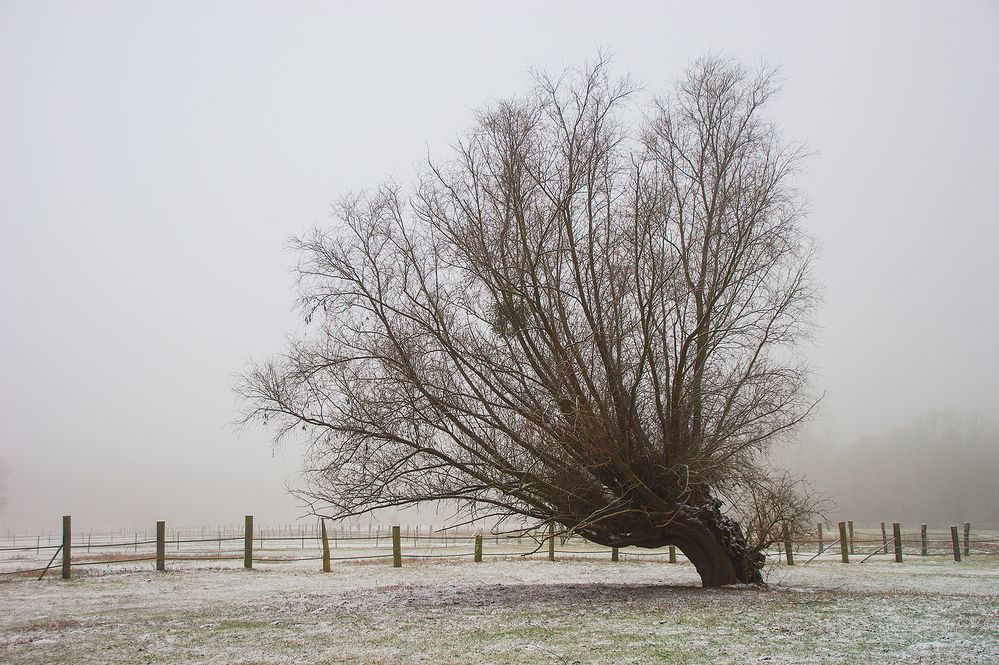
[455,610]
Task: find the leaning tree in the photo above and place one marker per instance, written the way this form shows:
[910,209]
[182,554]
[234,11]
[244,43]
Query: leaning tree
[584,319]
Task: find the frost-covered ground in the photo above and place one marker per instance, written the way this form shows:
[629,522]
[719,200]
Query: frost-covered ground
[506,611]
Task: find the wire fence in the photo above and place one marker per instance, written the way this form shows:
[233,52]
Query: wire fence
[23,555]
[938,544]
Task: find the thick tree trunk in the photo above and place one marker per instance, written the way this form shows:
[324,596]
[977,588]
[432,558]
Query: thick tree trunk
[717,547]
[713,542]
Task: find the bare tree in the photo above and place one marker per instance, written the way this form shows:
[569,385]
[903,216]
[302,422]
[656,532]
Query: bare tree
[573,321]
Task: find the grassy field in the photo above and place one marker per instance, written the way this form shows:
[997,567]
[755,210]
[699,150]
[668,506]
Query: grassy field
[507,611]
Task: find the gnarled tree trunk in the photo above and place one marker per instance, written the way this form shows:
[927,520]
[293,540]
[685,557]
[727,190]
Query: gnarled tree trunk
[714,543]
[716,546]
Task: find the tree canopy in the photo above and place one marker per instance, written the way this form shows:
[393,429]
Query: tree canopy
[580,319]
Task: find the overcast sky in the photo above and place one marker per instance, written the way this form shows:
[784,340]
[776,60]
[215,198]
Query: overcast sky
[155,157]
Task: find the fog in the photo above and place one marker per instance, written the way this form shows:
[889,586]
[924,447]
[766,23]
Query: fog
[155,158]
[938,469]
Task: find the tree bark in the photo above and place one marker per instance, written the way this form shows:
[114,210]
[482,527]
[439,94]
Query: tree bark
[717,547]
[711,541]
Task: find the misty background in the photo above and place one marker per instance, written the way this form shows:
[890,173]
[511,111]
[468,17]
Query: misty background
[155,158]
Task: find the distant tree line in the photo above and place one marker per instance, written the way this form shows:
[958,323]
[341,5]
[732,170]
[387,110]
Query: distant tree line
[939,469]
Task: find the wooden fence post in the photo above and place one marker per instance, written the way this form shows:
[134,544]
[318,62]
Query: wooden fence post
[160,545]
[67,545]
[478,548]
[922,536]
[896,532]
[884,538]
[326,546]
[849,524]
[396,547]
[844,544]
[967,539]
[248,541]
[788,547]
[551,541]
[821,544]
[956,542]
[614,554]
[672,553]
